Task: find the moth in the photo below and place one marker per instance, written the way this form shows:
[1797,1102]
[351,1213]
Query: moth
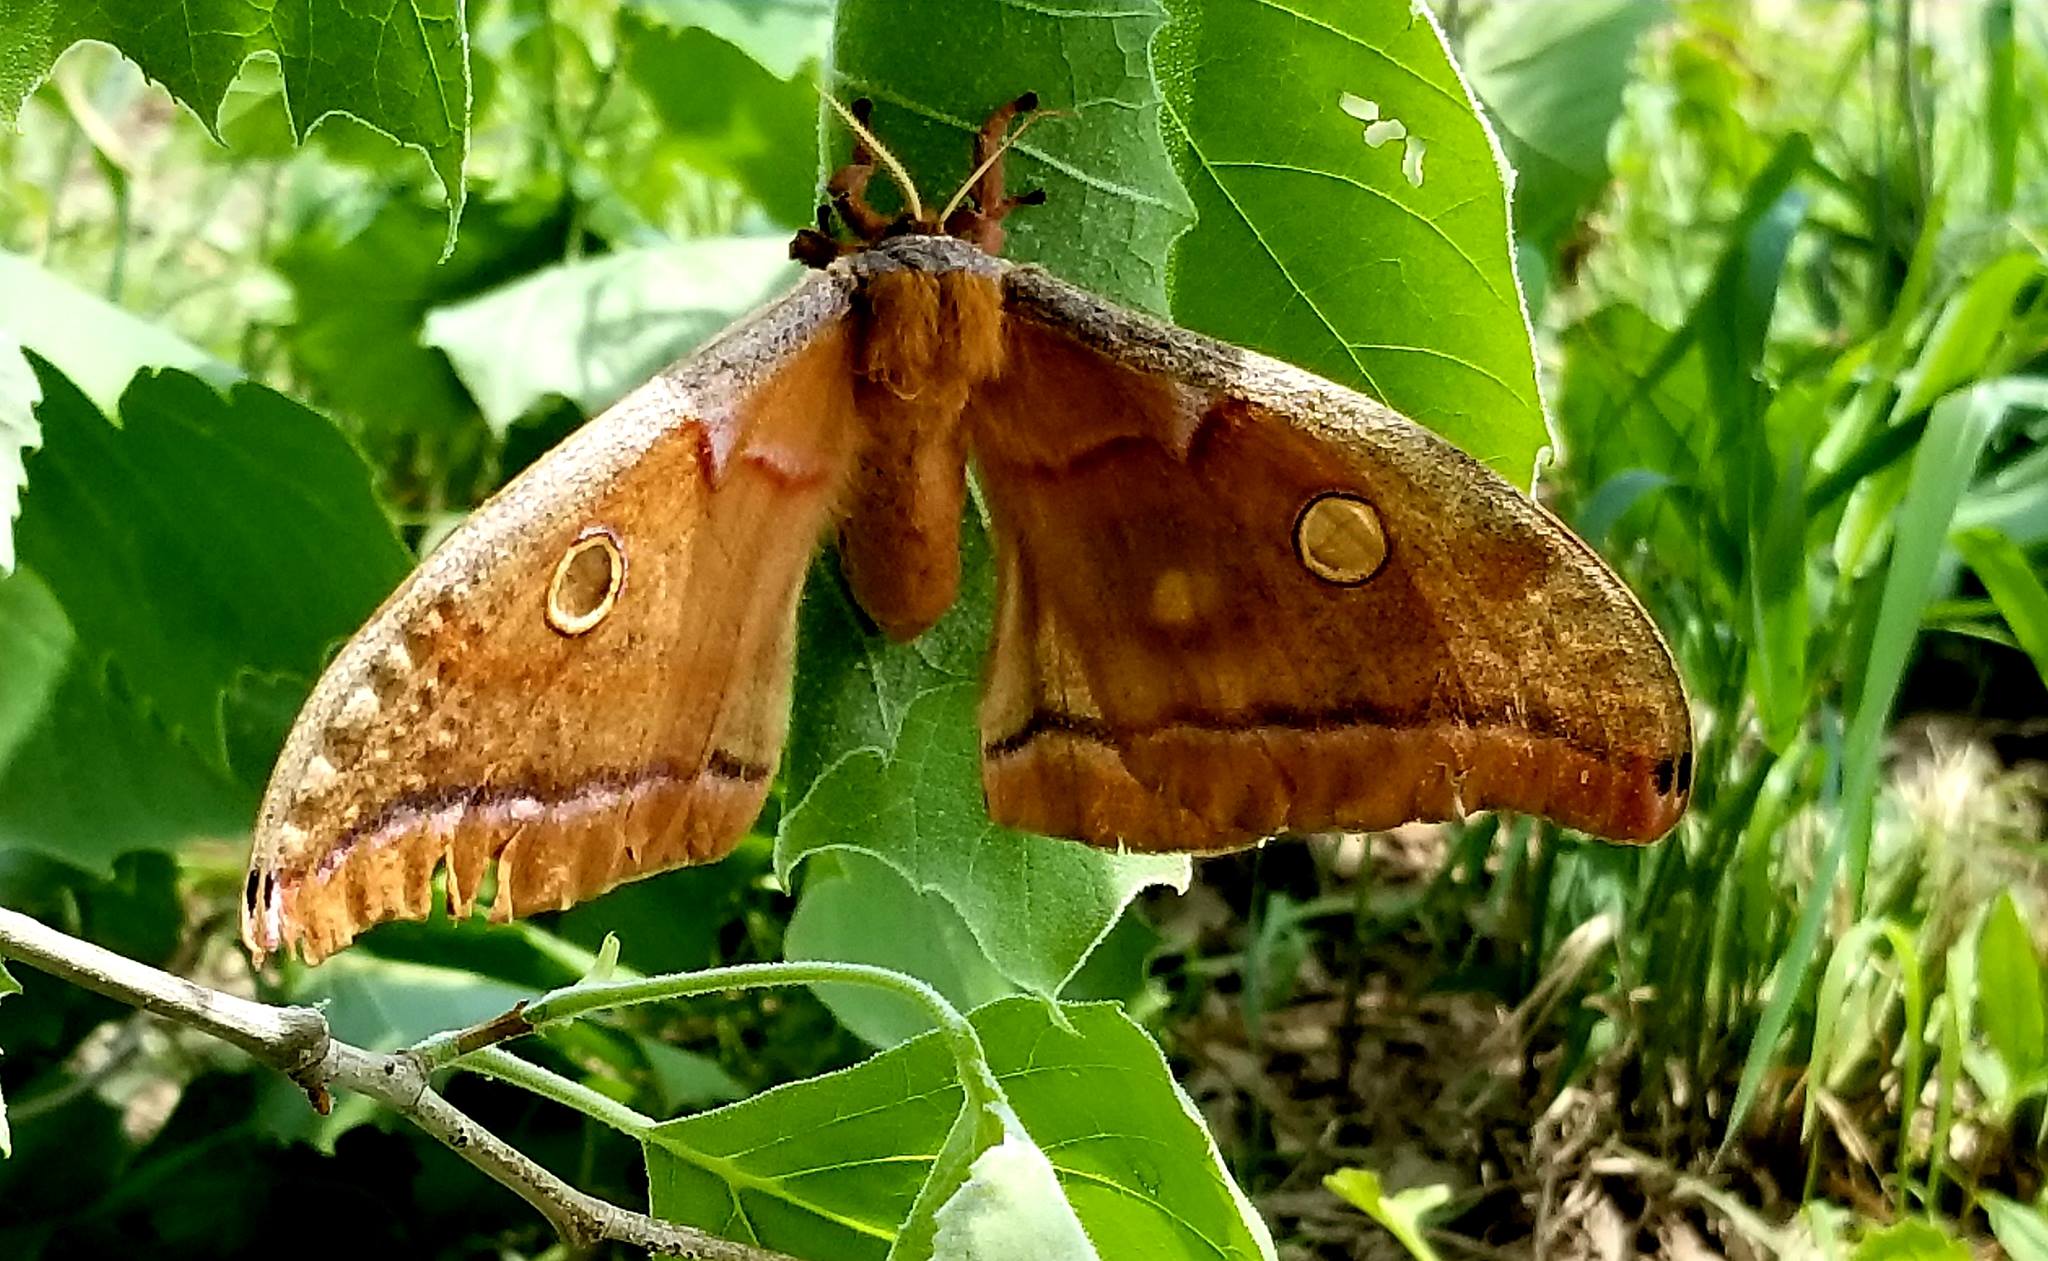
[1233,600]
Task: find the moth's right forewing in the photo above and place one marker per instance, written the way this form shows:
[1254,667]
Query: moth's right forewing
[1235,599]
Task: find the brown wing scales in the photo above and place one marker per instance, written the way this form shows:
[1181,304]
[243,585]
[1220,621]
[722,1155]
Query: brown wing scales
[468,725]
[1169,671]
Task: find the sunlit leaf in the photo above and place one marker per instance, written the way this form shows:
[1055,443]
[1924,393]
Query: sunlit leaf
[1035,905]
[1552,76]
[401,67]
[1375,253]
[206,535]
[782,35]
[1126,1146]
[96,344]
[724,110]
[1910,1241]
[1113,204]
[886,760]
[2015,587]
[844,896]
[1402,1213]
[2012,1008]
[589,331]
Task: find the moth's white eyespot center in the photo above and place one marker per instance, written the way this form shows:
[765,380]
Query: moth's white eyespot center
[587,582]
[1339,539]
[1179,599]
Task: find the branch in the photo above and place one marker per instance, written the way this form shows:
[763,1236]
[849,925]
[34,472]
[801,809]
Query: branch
[296,1042]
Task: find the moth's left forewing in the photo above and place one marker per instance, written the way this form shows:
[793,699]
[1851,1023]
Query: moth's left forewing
[588,681]
[1236,599]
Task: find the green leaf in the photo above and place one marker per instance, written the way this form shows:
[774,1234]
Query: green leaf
[1402,1213]
[726,113]
[1552,76]
[384,1004]
[97,776]
[1035,905]
[1011,1208]
[35,642]
[783,36]
[95,343]
[1113,204]
[2011,1005]
[2021,597]
[1969,328]
[18,432]
[401,67]
[1910,1241]
[205,536]
[1126,1145]
[844,896]
[2021,1229]
[363,278]
[885,759]
[1352,215]
[8,985]
[590,331]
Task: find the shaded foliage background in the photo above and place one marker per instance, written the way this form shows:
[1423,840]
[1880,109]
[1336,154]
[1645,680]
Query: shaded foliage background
[1786,270]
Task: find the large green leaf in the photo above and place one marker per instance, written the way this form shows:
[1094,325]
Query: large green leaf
[35,642]
[8,985]
[97,776]
[1096,1097]
[1113,204]
[725,111]
[206,536]
[1352,212]
[96,344]
[1552,75]
[363,278]
[18,431]
[589,331]
[1036,905]
[845,895]
[886,761]
[782,35]
[401,66]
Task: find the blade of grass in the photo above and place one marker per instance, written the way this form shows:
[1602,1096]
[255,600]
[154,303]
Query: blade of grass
[1961,425]
[2014,587]
[2001,103]
[1846,965]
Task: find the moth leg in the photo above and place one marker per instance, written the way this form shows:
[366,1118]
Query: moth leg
[848,186]
[817,247]
[980,216]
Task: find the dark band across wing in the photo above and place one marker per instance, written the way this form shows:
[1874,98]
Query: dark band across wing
[1236,600]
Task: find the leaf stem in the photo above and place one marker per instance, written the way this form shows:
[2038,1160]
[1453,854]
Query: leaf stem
[977,1080]
[296,1041]
[492,1061]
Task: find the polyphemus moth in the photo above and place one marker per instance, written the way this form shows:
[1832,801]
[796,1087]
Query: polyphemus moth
[1234,599]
